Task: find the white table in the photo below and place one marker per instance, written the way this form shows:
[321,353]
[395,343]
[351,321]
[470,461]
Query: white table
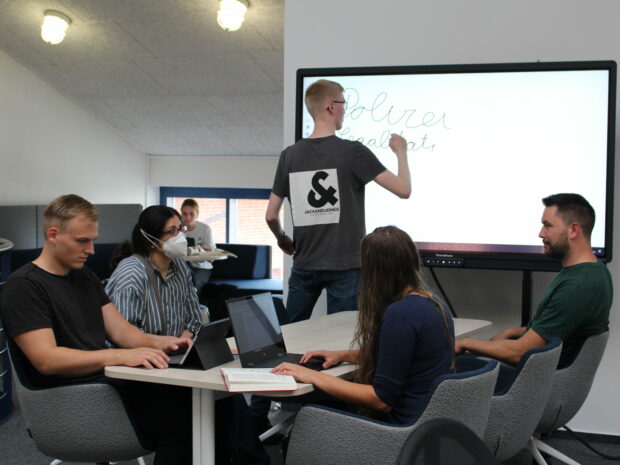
[332,332]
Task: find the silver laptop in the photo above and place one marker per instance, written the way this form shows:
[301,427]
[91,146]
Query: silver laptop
[258,333]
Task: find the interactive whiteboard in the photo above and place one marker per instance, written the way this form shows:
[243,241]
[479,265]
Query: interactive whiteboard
[486,144]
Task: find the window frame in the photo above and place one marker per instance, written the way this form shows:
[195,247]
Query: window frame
[228,193]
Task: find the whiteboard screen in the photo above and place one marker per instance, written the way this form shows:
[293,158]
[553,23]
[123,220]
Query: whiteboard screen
[485,145]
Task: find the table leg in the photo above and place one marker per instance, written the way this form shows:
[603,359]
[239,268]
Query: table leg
[203,426]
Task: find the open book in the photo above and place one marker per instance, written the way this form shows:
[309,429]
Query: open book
[256,379]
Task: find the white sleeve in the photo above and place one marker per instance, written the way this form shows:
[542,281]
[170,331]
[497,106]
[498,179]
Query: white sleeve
[209,243]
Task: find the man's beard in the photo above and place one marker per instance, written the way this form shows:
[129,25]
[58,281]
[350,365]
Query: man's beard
[557,250]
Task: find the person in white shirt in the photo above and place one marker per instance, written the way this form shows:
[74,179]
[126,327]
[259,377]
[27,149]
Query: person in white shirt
[201,233]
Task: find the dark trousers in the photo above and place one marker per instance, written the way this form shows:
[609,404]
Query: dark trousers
[162,417]
[260,406]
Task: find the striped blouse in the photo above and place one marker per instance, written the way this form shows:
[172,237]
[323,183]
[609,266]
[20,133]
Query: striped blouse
[130,290]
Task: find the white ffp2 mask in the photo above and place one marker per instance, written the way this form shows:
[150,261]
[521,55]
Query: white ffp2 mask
[174,247]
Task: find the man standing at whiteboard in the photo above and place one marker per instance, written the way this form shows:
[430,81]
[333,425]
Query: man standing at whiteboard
[324,178]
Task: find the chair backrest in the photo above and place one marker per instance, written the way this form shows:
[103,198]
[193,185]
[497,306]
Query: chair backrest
[350,439]
[572,384]
[252,262]
[464,397]
[445,442]
[515,412]
[76,423]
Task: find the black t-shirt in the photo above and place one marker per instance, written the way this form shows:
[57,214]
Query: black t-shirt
[69,305]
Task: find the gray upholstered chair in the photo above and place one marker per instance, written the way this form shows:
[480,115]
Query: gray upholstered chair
[569,391]
[324,436]
[519,399]
[76,423]
[441,441]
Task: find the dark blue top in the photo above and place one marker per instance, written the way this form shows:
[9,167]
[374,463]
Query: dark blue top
[412,351]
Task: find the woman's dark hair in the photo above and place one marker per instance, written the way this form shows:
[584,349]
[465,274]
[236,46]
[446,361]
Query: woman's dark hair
[121,251]
[152,221]
[390,270]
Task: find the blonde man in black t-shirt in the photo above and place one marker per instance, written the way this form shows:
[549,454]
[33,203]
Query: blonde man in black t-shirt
[62,333]
[58,315]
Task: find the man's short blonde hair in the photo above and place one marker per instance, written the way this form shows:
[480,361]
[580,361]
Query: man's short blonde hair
[66,207]
[319,93]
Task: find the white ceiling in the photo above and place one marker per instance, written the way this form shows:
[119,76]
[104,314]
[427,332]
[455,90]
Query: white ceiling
[162,73]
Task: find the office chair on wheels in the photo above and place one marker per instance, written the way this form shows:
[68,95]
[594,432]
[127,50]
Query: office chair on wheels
[324,436]
[76,423]
[569,391]
[519,399]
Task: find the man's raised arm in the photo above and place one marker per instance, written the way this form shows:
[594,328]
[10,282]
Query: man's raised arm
[399,184]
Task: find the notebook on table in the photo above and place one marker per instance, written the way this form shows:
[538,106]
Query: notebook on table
[209,348]
[258,334]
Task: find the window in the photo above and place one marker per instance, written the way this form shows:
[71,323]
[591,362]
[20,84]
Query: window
[235,216]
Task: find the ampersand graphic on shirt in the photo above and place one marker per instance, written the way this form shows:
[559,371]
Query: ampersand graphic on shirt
[326,195]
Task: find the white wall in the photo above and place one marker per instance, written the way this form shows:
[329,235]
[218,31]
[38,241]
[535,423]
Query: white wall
[212,171]
[49,146]
[327,33]
[209,171]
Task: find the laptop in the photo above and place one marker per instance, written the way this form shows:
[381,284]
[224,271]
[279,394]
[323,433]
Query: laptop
[258,333]
[209,348]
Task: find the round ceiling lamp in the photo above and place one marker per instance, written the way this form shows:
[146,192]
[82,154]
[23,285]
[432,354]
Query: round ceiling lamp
[54,27]
[231,14]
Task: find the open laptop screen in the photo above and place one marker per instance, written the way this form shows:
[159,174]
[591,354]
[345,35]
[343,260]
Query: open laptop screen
[255,322]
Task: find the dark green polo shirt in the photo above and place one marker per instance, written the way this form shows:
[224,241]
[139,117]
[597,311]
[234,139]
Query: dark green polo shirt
[575,306]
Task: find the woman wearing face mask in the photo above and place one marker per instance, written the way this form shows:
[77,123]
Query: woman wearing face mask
[153,288]
[155,268]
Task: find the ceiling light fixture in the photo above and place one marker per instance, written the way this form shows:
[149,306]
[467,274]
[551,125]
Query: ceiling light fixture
[54,26]
[231,14]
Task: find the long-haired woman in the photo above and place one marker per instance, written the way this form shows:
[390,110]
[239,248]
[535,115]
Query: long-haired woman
[405,338]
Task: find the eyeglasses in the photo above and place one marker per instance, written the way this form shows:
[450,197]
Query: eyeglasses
[175,231]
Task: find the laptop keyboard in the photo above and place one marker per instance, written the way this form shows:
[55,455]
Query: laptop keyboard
[313,364]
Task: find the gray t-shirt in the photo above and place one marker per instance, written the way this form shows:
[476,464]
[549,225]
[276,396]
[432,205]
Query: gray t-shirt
[324,180]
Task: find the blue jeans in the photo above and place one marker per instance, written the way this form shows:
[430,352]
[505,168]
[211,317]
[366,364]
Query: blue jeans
[305,287]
